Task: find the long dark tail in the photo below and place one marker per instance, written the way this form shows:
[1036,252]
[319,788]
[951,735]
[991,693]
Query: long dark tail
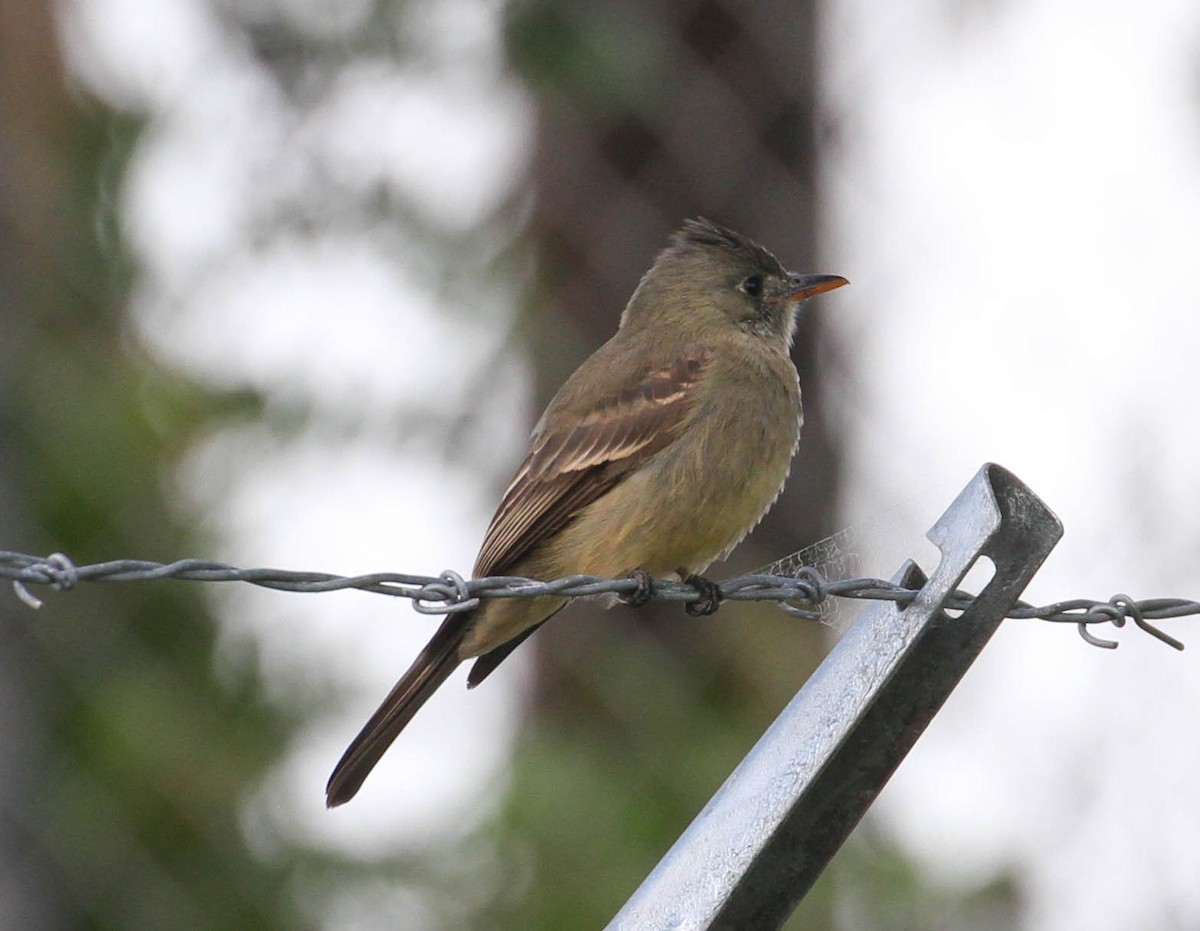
[429,670]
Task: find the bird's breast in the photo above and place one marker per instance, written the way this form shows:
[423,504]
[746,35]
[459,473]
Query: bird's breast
[698,497]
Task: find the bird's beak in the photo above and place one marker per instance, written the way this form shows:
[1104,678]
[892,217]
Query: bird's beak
[802,287]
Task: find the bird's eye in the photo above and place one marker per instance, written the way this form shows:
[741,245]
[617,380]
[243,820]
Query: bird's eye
[752,285]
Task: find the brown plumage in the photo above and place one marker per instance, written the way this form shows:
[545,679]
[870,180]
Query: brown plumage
[660,453]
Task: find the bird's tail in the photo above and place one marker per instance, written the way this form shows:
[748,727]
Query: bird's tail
[429,670]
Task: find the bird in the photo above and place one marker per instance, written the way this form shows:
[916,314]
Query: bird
[657,456]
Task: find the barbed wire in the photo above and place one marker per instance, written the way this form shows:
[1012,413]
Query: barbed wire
[800,594]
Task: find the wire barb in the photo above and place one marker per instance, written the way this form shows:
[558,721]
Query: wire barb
[1134,610]
[800,594]
[56,570]
[448,595]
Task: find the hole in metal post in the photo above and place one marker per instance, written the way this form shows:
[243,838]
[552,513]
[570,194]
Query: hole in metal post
[975,581]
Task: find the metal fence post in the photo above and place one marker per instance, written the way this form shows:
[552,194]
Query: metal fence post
[760,843]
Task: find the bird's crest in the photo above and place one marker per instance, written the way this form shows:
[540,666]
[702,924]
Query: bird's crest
[706,234]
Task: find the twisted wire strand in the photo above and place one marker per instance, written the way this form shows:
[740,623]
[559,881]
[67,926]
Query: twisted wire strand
[800,594]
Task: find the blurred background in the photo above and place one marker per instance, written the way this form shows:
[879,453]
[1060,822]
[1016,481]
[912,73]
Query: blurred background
[285,283]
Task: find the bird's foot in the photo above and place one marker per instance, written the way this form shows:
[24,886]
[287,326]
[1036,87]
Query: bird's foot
[710,595]
[640,595]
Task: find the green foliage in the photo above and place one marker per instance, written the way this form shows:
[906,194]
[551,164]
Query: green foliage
[132,788]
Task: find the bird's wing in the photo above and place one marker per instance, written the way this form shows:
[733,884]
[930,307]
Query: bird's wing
[568,469]
[565,471]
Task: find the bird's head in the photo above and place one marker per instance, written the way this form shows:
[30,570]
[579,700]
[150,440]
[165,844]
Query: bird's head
[710,275]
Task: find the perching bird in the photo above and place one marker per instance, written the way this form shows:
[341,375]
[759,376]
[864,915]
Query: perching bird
[657,456]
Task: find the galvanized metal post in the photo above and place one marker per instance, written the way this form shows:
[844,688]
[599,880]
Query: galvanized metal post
[767,834]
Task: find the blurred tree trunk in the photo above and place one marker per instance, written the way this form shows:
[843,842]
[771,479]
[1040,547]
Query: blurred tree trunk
[650,113]
[33,121]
